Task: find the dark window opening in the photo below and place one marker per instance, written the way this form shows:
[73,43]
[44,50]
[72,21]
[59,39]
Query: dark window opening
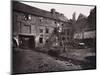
[47,30]
[26,17]
[60,43]
[46,41]
[41,40]
[63,38]
[62,24]
[55,22]
[41,30]
[55,30]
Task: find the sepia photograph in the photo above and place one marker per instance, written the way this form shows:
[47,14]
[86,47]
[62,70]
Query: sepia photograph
[52,37]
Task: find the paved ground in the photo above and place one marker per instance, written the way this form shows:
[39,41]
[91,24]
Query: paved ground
[86,57]
[79,54]
[30,61]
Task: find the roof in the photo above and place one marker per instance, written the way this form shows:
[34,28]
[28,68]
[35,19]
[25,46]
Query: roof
[81,16]
[17,6]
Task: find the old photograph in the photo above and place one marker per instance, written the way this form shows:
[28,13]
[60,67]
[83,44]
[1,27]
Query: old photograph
[52,37]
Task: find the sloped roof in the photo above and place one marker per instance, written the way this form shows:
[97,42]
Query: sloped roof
[81,16]
[17,6]
[81,23]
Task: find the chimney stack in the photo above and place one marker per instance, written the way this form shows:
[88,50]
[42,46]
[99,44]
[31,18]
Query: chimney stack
[74,16]
[53,11]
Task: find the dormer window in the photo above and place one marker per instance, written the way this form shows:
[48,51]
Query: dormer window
[27,17]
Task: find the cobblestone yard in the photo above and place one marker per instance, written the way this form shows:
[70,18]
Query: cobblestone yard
[86,58]
[30,61]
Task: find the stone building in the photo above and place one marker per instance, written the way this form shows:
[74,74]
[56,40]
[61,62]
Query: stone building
[34,26]
[85,29]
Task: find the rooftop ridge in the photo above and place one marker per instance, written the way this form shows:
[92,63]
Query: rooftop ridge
[21,7]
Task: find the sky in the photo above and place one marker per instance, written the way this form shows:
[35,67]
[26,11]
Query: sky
[67,10]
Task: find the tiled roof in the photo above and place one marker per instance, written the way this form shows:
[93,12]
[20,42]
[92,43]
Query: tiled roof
[17,6]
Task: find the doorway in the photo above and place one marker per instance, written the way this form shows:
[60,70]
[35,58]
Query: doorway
[27,41]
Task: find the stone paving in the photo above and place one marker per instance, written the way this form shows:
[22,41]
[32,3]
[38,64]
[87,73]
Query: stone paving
[30,61]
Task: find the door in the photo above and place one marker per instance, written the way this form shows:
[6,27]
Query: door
[27,42]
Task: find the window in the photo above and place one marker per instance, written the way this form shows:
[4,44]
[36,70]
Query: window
[55,22]
[62,24]
[46,41]
[47,30]
[63,38]
[41,30]
[68,38]
[27,17]
[41,19]
[58,25]
[59,29]
[41,40]
[55,30]
[61,44]
[26,28]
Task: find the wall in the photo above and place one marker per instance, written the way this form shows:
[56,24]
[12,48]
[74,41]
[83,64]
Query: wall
[85,35]
[33,26]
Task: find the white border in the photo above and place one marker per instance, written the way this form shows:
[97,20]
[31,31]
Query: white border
[5,23]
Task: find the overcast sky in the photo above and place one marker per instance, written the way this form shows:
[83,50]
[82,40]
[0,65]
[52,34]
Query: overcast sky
[67,10]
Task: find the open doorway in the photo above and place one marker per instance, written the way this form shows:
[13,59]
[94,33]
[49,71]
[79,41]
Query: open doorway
[27,41]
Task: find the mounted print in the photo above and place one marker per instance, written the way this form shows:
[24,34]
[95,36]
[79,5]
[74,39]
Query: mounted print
[52,37]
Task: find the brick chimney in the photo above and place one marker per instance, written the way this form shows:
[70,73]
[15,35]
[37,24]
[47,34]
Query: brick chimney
[53,11]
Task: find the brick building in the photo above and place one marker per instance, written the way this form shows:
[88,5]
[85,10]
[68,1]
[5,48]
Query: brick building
[37,25]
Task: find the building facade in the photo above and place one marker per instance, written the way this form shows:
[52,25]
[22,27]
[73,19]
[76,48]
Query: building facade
[86,29]
[32,21]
